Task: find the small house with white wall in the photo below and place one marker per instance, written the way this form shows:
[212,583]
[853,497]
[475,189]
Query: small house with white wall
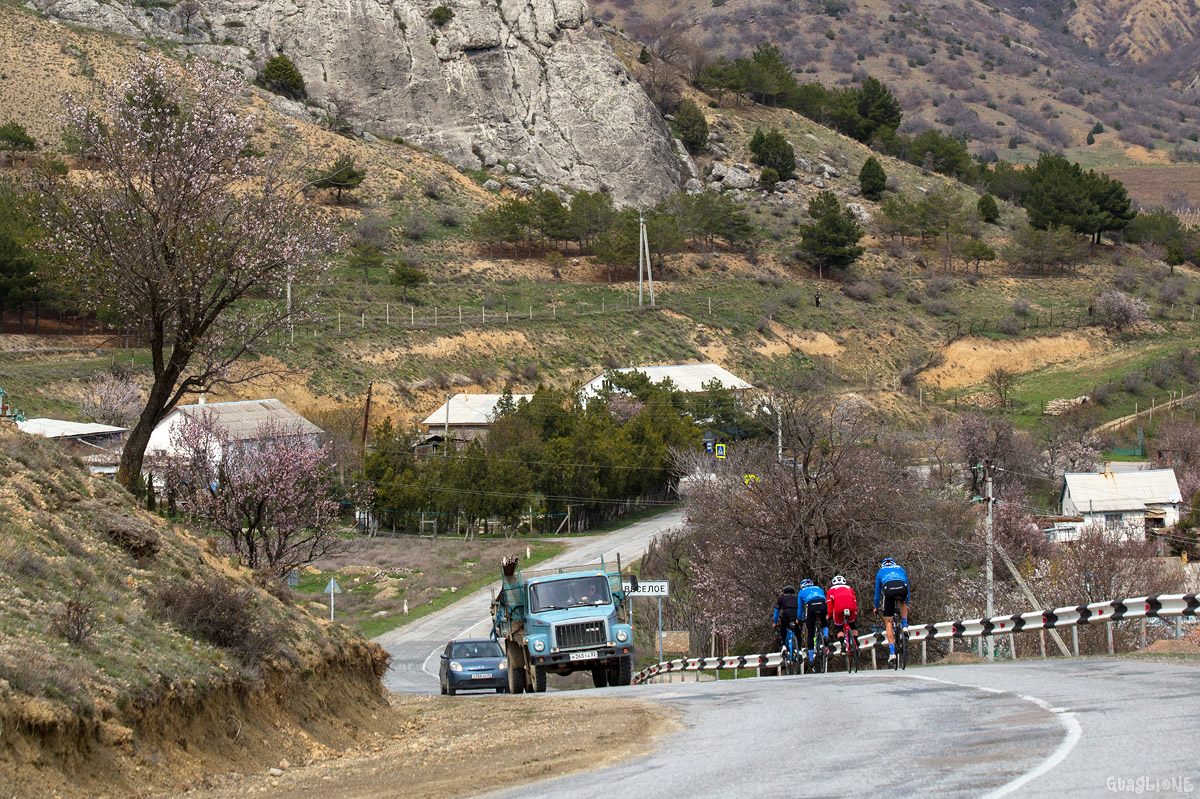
[688,378]
[242,421]
[1133,502]
[466,416]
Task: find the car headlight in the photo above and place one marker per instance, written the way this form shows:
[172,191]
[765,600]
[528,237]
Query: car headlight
[455,666]
[539,645]
[503,665]
[622,636]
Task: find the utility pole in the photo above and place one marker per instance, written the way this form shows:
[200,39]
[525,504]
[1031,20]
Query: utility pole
[641,263]
[367,418]
[446,433]
[987,527]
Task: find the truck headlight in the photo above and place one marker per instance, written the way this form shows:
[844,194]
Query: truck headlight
[455,666]
[539,645]
[622,636]
[503,665]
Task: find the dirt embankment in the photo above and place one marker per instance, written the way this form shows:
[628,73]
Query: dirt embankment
[444,747]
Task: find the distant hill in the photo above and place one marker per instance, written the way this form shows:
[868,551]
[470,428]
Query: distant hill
[1012,80]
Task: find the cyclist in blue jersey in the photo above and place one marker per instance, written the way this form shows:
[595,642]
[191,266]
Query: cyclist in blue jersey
[891,590]
[811,603]
[784,615]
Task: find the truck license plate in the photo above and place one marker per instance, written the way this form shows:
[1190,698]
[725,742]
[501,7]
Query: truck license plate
[584,655]
[481,676]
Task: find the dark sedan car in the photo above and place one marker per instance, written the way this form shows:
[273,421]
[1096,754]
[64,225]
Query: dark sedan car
[471,664]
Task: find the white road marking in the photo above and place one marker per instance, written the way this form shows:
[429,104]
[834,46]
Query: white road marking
[1072,732]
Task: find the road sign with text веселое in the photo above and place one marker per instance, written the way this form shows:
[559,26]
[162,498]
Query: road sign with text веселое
[658,588]
[720,451]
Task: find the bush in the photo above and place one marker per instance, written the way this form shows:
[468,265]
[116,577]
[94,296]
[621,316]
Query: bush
[891,284]
[529,372]
[433,189]
[1102,393]
[218,612]
[1010,325]
[872,180]
[940,307]
[768,179]
[863,290]
[1161,371]
[1021,307]
[441,15]
[281,76]
[1120,310]
[416,227]
[448,217]
[938,284]
[772,150]
[913,297]
[77,620]
[1133,383]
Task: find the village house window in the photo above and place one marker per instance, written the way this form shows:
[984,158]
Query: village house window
[1113,519]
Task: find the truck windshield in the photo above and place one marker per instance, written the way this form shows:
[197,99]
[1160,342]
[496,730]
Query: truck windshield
[573,592]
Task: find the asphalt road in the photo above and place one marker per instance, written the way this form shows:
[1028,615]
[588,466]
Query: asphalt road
[415,647]
[1082,728]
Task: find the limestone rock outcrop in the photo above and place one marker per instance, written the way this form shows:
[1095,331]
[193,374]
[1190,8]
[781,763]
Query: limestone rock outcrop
[532,83]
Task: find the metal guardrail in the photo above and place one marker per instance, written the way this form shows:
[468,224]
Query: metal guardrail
[1164,606]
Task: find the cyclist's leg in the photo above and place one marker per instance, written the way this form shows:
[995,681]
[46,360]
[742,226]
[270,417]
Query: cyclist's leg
[889,612]
[810,632]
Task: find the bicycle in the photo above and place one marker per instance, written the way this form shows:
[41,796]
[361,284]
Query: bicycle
[791,651]
[849,644]
[821,656]
[901,633]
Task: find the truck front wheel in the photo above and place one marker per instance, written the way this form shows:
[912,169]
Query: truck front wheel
[621,672]
[600,676]
[539,679]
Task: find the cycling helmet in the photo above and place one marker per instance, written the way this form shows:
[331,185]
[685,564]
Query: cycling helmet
[806,583]
[839,580]
[787,589]
[887,562]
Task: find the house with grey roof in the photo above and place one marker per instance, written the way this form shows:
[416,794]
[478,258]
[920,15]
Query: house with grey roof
[242,421]
[1133,502]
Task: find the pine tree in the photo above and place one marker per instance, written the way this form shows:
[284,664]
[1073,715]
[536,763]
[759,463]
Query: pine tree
[281,76]
[692,126]
[872,180]
[774,151]
[832,238]
[1091,139]
[340,176]
[989,210]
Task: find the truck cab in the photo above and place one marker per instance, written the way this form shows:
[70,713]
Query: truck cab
[561,623]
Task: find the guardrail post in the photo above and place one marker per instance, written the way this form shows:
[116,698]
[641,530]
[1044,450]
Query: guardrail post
[1110,638]
[874,665]
[951,645]
[924,661]
[1012,646]
[1075,640]
[1042,636]
[1178,627]
[1143,625]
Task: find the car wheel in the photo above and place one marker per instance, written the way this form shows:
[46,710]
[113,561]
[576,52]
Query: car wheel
[451,690]
[443,687]
[501,690]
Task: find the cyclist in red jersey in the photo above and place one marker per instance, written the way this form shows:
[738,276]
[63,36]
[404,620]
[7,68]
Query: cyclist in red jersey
[840,598]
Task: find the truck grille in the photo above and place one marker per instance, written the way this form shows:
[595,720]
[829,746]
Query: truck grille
[581,634]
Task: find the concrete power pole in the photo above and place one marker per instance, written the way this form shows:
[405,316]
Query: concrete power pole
[987,527]
[644,259]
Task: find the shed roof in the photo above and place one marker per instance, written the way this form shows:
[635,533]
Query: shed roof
[1119,491]
[242,419]
[686,377]
[58,428]
[469,409]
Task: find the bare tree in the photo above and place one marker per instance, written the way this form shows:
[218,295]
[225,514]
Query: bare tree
[176,231]
[1001,382]
[111,399]
[189,10]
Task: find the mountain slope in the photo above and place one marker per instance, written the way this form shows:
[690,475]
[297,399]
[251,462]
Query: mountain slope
[531,84]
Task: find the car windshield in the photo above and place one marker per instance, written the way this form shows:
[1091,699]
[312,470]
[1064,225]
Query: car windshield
[476,649]
[571,593]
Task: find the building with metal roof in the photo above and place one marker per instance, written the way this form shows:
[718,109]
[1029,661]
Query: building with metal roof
[466,416]
[689,378]
[1132,501]
[241,421]
[61,430]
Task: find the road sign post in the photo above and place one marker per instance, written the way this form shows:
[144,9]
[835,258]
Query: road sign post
[658,589]
[331,589]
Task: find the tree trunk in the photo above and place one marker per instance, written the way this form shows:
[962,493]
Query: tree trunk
[129,468]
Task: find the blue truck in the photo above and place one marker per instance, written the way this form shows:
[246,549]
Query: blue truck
[562,622]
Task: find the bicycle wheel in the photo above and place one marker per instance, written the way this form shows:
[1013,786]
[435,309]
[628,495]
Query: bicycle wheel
[902,655]
[822,657]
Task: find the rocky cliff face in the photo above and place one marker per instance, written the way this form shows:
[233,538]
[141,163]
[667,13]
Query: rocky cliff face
[527,82]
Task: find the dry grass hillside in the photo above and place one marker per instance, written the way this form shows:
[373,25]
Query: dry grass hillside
[131,654]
